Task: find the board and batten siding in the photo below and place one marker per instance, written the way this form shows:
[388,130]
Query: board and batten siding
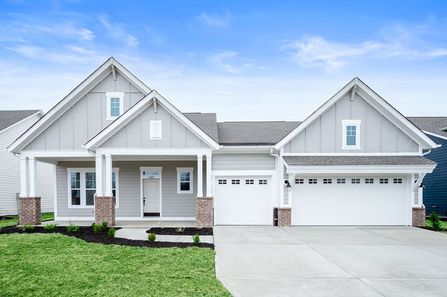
[136,133]
[243,162]
[85,118]
[377,134]
[173,204]
[10,172]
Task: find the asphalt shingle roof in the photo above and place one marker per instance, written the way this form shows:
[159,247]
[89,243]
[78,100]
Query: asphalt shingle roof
[205,121]
[10,117]
[253,133]
[356,160]
[431,124]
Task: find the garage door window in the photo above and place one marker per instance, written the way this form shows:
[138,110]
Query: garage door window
[299,181]
[383,180]
[327,181]
[262,181]
[235,181]
[313,181]
[355,181]
[222,181]
[397,181]
[341,181]
[184,180]
[369,180]
[249,182]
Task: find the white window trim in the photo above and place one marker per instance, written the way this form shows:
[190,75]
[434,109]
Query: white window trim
[357,124]
[110,95]
[151,127]
[83,188]
[191,171]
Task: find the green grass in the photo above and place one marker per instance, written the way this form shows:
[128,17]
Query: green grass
[443,224]
[58,265]
[14,220]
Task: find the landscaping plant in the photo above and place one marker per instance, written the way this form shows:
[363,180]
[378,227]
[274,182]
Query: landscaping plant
[436,222]
[196,240]
[72,228]
[105,225]
[97,228]
[111,232]
[50,227]
[28,228]
[151,237]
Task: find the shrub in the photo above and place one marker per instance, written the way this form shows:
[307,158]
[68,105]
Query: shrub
[50,227]
[97,228]
[196,240]
[435,221]
[28,228]
[73,228]
[105,226]
[151,237]
[111,232]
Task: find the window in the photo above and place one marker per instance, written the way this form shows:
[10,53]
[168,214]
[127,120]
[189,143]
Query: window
[184,180]
[327,180]
[262,181]
[235,181]
[351,134]
[249,182]
[313,181]
[222,181]
[355,181]
[369,180]
[115,104]
[299,181]
[155,130]
[383,180]
[341,181]
[82,187]
[397,181]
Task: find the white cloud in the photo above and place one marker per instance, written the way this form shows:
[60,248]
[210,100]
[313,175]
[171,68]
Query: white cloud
[117,31]
[230,61]
[215,20]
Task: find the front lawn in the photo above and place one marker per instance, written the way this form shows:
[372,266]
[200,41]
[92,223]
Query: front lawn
[14,220]
[428,223]
[58,265]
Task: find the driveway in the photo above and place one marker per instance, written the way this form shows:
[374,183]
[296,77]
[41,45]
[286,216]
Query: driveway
[331,261]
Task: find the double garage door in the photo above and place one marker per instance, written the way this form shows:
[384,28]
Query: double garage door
[362,200]
[243,200]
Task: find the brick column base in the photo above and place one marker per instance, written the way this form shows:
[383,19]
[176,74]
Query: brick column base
[204,212]
[29,211]
[105,210]
[284,216]
[418,216]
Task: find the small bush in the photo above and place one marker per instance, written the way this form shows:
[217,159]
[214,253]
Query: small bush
[111,232]
[196,240]
[28,228]
[151,237]
[73,228]
[435,221]
[97,228]
[105,226]
[50,227]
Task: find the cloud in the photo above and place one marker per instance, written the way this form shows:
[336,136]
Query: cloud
[230,61]
[215,20]
[117,31]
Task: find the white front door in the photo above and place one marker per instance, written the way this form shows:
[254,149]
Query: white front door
[151,196]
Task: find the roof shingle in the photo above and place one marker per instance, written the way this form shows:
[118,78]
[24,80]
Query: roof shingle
[356,160]
[10,117]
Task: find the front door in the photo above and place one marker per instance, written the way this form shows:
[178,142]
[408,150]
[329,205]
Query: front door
[151,197]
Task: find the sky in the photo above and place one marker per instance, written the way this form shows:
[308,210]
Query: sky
[244,60]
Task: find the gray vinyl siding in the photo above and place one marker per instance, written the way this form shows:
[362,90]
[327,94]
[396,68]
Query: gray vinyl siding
[243,162]
[10,173]
[324,134]
[85,118]
[136,133]
[173,204]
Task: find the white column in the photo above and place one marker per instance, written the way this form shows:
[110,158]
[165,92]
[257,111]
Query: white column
[32,176]
[281,182]
[24,177]
[199,176]
[289,190]
[99,175]
[209,182]
[108,190]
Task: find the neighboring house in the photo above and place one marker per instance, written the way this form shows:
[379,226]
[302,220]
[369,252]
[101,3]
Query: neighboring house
[12,124]
[124,152]
[435,184]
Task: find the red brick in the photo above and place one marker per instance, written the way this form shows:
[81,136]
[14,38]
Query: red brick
[29,211]
[284,217]
[105,210]
[418,216]
[204,212]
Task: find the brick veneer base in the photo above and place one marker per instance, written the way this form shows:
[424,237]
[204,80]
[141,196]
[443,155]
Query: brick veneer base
[284,217]
[418,216]
[29,211]
[105,210]
[204,212]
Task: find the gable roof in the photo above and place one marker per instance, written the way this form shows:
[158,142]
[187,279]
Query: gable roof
[139,107]
[74,96]
[11,117]
[365,92]
[254,133]
[205,121]
[436,126]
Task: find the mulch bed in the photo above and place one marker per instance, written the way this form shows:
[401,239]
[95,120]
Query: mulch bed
[87,234]
[180,231]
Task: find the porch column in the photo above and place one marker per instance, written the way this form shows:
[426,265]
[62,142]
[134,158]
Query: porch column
[104,201]
[29,205]
[205,205]
[32,176]
[199,176]
[99,175]
[108,190]
[284,209]
[209,181]
[24,177]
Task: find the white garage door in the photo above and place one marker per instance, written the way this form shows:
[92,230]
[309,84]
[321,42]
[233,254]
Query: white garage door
[243,200]
[350,201]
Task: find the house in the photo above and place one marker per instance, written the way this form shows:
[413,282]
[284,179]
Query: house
[12,124]
[123,152]
[435,184]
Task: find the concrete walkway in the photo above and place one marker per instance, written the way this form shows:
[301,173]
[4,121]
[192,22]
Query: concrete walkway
[331,261]
[140,234]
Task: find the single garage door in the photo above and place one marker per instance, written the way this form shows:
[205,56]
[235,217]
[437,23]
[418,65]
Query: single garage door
[243,200]
[350,200]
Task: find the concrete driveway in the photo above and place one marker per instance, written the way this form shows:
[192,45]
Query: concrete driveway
[331,261]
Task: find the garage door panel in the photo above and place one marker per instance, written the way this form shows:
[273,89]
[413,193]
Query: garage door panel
[350,204]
